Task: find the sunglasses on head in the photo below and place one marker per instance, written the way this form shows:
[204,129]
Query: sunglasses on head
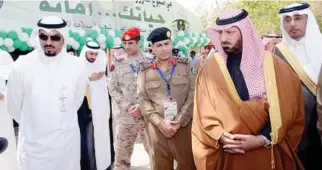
[52,37]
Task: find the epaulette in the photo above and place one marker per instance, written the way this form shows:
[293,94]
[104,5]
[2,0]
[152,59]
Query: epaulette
[147,63]
[183,60]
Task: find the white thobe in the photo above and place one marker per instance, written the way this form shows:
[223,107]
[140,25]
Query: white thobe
[44,94]
[100,107]
[8,159]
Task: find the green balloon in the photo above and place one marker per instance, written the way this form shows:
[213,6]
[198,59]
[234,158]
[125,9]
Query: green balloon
[82,40]
[24,47]
[109,42]
[118,33]
[29,31]
[183,49]
[181,38]
[70,33]
[175,42]
[204,42]
[92,34]
[79,51]
[190,42]
[3,34]
[104,31]
[12,34]
[198,42]
[4,48]
[142,42]
[23,29]
[77,36]
[17,43]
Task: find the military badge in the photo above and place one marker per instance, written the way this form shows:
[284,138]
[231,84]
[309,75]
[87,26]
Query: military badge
[168,34]
[127,37]
[112,68]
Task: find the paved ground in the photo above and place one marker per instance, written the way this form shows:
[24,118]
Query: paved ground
[140,159]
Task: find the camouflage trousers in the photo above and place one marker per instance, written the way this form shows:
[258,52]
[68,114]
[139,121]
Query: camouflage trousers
[126,135]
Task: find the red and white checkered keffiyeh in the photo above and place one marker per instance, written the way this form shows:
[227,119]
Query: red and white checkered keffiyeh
[119,52]
[252,56]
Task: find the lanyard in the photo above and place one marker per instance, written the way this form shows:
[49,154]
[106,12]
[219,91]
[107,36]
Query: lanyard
[167,80]
[135,71]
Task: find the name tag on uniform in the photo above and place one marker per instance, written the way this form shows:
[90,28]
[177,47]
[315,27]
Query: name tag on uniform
[170,109]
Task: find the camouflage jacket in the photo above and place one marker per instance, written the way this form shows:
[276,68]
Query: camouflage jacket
[122,86]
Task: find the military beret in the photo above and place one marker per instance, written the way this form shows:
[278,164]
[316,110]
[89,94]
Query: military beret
[159,34]
[130,34]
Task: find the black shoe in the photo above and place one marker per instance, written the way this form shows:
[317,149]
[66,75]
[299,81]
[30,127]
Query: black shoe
[3,144]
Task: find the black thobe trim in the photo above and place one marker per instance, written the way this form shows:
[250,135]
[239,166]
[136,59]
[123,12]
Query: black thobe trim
[233,66]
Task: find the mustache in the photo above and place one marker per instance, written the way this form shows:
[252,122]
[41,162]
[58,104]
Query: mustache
[226,43]
[49,46]
[91,60]
[294,29]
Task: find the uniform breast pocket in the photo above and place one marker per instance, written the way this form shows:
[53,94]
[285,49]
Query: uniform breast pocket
[182,81]
[152,87]
[180,85]
[128,75]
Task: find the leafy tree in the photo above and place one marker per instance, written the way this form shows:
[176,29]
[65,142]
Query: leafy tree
[264,14]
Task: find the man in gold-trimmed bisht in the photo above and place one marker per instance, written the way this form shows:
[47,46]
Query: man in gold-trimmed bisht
[248,111]
[301,49]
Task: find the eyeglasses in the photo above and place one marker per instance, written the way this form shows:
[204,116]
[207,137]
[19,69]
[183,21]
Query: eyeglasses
[52,37]
[296,18]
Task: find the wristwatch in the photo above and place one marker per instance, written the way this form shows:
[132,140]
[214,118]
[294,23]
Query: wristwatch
[268,143]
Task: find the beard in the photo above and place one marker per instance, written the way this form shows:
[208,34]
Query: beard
[295,35]
[50,54]
[91,60]
[232,48]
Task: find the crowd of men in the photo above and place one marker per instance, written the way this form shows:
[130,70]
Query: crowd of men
[252,103]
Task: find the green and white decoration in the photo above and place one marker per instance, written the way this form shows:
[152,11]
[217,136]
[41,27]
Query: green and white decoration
[183,41]
[21,38]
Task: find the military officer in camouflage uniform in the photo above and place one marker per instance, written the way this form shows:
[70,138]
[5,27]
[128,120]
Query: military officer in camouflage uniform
[123,90]
[166,93]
